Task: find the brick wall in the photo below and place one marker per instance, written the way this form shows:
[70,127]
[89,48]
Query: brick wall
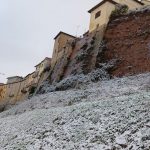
[127,39]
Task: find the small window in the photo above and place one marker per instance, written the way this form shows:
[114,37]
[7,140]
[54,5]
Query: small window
[97,14]
[97,26]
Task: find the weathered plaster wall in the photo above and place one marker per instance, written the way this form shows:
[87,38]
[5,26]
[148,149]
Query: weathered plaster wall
[146,2]
[46,63]
[14,79]
[57,70]
[106,10]
[59,47]
[12,92]
[83,56]
[103,19]
[2,92]
[79,56]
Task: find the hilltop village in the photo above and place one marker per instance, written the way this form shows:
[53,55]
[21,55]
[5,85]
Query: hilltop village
[66,47]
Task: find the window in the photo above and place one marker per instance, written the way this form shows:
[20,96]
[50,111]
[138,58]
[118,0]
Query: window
[97,14]
[97,26]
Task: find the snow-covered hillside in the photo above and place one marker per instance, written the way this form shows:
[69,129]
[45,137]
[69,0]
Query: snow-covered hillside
[107,115]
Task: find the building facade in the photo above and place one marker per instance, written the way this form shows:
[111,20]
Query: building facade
[146,2]
[59,46]
[14,79]
[45,64]
[2,92]
[100,13]
[19,88]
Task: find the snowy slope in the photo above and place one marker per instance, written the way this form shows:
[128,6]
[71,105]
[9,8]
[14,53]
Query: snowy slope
[108,115]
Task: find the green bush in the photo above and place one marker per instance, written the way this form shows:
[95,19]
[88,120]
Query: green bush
[120,10]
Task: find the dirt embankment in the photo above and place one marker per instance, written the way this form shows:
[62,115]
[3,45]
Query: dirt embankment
[127,39]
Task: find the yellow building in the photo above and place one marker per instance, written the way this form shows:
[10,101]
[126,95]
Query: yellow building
[146,2]
[23,91]
[29,80]
[2,92]
[61,40]
[18,88]
[12,91]
[100,13]
[26,84]
[14,79]
[45,64]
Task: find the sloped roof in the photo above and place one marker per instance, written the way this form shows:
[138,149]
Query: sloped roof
[15,77]
[101,3]
[63,33]
[111,1]
[46,58]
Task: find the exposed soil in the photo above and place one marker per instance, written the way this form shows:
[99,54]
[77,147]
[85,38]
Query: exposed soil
[128,40]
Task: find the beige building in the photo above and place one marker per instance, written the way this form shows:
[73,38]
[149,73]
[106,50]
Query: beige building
[100,13]
[12,92]
[2,92]
[14,79]
[61,41]
[18,88]
[146,2]
[45,64]
[26,84]
[29,80]
[23,91]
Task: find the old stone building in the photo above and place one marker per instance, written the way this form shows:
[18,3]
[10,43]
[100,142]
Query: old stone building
[2,92]
[18,88]
[146,2]
[14,79]
[12,92]
[44,64]
[23,91]
[72,55]
[100,13]
[61,40]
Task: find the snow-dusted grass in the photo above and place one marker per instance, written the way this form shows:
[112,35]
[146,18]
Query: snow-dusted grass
[78,81]
[107,115]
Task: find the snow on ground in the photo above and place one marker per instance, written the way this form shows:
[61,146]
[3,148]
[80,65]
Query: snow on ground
[107,115]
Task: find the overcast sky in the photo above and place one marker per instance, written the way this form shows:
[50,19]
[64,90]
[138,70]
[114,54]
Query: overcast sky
[27,29]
